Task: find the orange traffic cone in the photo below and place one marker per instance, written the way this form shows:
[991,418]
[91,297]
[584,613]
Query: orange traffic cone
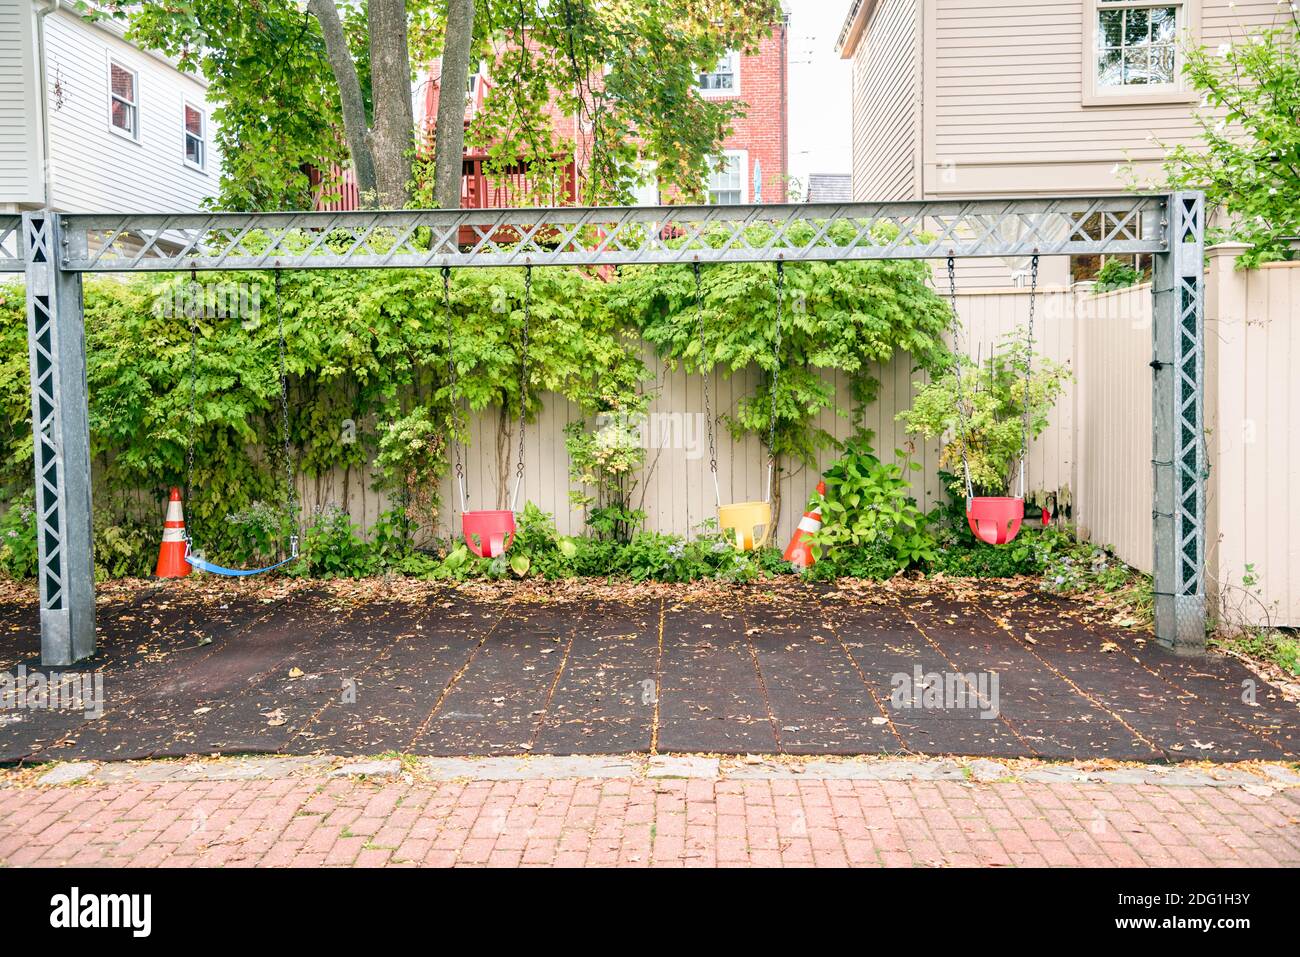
[171,557]
[799,552]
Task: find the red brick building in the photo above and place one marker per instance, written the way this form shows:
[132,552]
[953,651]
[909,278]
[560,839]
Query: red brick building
[752,167]
[757,152]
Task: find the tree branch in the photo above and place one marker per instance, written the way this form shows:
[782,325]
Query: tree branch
[355,128]
[392,138]
[449,138]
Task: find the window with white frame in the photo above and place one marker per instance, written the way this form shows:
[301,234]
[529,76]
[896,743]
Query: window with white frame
[196,136]
[724,77]
[123,100]
[726,186]
[1137,44]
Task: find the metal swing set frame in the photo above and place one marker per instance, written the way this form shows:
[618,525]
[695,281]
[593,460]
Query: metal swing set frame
[56,250]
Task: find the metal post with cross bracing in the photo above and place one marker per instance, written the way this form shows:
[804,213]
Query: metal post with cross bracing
[1179,462]
[56,344]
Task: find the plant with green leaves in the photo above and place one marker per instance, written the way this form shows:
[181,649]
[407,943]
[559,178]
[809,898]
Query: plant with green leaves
[1248,157]
[981,408]
[605,462]
[869,503]
[846,317]
[1117,274]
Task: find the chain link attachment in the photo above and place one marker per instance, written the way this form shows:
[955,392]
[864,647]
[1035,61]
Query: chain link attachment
[523,384]
[707,377]
[452,397]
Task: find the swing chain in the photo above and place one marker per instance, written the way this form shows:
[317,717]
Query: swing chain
[194,386]
[290,493]
[961,398]
[776,376]
[523,380]
[1029,364]
[707,376]
[451,377]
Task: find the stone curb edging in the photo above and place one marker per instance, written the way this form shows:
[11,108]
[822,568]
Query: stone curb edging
[1259,778]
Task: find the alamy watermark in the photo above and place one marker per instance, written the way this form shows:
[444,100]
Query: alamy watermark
[945,691]
[687,431]
[215,300]
[56,691]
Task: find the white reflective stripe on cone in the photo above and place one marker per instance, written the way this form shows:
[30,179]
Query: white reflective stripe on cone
[174,512]
[810,523]
[173,534]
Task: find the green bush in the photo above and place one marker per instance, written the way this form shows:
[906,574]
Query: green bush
[18,555]
[333,548]
[981,409]
[869,518]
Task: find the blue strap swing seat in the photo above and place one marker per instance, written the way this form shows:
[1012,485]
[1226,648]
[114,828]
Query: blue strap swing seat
[192,557]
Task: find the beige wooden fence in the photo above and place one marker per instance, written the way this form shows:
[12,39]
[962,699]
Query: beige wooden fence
[675,488]
[1096,455]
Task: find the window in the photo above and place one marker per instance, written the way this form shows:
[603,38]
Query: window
[123,105]
[724,78]
[196,137]
[645,191]
[1135,44]
[726,186]
[1087,268]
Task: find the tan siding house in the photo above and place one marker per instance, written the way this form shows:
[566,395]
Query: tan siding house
[1024,96]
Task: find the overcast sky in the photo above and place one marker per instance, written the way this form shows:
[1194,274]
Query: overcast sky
[820,95]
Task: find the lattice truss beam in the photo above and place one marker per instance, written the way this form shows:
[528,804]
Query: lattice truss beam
[11,244]
[1189,361]
[616,235]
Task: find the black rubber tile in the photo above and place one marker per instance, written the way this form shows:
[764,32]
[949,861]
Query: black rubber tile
[604,702]
[1160,711]
[925,732]
[385,706]
[817,695]
[709,694]
[257,715]
[496,705]
[135,647]
[162,693]
[1082,738]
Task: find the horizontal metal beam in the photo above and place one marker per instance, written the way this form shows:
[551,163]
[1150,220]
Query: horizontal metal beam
[12,258]
[603,236]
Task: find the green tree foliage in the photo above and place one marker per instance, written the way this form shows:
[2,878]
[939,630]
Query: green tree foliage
[983,413]
[847,317]
[274,105]
[1249,159]
[627,68]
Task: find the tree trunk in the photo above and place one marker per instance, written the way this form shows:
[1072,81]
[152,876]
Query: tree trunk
[392,138]
[449,140]
[355,127]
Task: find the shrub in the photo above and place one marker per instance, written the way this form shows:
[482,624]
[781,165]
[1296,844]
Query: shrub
[18,553]
[332,548]
[869,519]
[986,422]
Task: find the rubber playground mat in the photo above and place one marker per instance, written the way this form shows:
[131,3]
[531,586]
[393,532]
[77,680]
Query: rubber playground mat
[583,668]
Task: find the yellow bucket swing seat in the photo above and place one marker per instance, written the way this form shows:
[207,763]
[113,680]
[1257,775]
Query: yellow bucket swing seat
[747,526]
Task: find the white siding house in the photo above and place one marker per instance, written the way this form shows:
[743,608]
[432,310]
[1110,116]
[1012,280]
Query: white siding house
[123,129]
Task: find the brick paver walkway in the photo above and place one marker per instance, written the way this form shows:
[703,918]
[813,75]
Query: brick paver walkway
[316,820]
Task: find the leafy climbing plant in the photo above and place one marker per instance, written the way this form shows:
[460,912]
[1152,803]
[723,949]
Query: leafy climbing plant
[1248,157]
[846,317]
[981,407]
